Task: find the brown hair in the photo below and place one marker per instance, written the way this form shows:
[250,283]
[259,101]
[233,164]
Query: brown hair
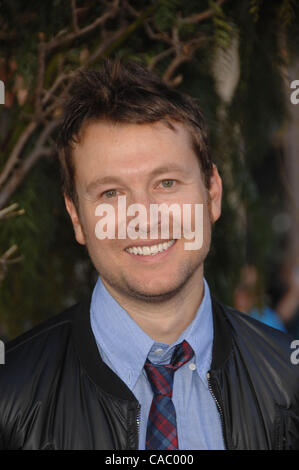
[125,93]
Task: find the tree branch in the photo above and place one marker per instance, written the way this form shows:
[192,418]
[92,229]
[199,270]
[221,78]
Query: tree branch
[26,164]
[159,57]
[74,16]
[14,156]
[10,211]
[47,101]
[60,41]
[157,36]
[40,75]
[199,17]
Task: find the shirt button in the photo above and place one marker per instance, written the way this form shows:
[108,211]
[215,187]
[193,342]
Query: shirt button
[159,351]
[192,366]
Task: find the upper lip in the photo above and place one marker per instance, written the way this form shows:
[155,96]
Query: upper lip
[148,243]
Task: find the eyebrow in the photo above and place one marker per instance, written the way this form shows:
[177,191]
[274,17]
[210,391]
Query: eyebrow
[99,181]
[113,179]
[167,169]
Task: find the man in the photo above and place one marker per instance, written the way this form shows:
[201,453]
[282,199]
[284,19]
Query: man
[151,361]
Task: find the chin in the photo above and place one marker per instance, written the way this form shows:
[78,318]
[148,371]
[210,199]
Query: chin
[157,292]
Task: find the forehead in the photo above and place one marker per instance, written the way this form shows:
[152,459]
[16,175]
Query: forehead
[127,147]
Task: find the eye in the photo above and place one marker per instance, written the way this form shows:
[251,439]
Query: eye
[168,183]
[110,193]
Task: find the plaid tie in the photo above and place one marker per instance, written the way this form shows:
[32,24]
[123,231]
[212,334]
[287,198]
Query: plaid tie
[161,426]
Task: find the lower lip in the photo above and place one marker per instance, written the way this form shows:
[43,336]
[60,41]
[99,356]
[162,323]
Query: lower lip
[152,258]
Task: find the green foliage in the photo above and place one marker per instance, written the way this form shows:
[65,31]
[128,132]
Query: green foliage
[165,15]
[223,29]
[286,13]
[255,8]
[55,269]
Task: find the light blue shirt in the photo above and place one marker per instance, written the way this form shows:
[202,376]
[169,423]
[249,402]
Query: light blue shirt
[124,347]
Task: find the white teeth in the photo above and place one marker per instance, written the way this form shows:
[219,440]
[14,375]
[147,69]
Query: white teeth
[146,250]
[150,250]
[154,249]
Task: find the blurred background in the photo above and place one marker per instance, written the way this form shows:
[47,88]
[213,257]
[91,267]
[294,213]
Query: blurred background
[239,58]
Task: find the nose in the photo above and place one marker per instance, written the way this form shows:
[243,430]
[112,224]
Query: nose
[139,206]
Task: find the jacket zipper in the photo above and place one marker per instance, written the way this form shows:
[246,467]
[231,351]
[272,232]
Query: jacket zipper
[138,423]
[281,438]
[219,409]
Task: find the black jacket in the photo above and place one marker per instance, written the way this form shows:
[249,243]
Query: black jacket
[57,393]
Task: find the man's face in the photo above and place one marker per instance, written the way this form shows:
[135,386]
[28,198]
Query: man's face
[149,164]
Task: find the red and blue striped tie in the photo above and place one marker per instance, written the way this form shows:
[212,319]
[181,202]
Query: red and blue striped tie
[161,431]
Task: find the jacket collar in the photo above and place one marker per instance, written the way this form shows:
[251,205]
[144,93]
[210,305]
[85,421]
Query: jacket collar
[90,358]
[105,378]
[222,343]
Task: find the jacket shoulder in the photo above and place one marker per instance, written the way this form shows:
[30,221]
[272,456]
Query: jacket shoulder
[34,362]
[266,351]
[44,328]
[35,333]
[243,323]
[43,346]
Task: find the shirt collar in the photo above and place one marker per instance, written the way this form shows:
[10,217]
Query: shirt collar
[121,339]
[199,334]
[127,346]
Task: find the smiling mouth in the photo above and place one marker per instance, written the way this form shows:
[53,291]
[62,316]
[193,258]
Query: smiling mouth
[150,250]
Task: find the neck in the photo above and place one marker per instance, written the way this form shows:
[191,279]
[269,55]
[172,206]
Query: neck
[165,321]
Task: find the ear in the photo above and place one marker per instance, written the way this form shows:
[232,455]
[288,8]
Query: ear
[70,207]
[215,192]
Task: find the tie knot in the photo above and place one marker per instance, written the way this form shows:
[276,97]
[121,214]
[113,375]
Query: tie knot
[161,376]
[182,354]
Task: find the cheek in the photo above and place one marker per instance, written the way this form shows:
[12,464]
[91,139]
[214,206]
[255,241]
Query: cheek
[88,222]
[196,215]
[95,230]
